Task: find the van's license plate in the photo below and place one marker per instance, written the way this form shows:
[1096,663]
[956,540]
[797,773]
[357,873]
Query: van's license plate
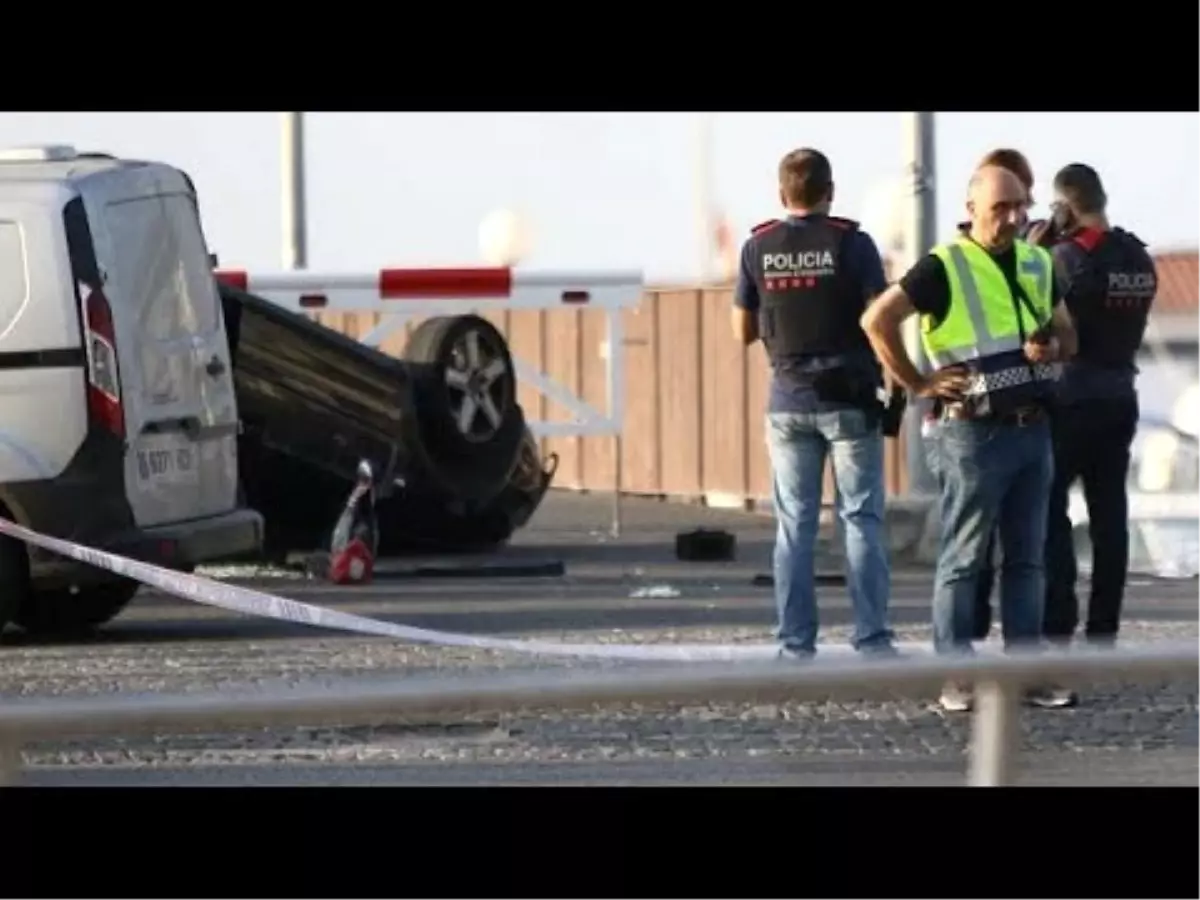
[166,464]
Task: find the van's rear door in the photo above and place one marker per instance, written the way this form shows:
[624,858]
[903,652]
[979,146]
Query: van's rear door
[212,372]
[180,411]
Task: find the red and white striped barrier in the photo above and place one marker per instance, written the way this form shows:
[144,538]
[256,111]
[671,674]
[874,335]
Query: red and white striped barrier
[442,290]
[399,294]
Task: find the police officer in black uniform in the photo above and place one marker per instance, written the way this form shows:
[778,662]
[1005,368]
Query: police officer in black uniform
[1108,280]
[803,284]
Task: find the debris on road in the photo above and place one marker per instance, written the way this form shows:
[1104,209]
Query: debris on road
[702,545]
[356,535]
[656,591]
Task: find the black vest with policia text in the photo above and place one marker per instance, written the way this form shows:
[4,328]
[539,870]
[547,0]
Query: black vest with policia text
[809,303]
[1111,295]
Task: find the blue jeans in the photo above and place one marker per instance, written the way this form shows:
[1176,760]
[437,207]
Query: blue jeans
[798,444]
[991,476]
[987,572]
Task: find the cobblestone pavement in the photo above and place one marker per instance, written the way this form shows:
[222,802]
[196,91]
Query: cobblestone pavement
[1136,734]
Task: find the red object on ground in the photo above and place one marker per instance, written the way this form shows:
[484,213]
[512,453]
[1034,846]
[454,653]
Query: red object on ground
[353,564]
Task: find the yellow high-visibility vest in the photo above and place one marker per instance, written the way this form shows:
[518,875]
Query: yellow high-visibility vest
[982,319]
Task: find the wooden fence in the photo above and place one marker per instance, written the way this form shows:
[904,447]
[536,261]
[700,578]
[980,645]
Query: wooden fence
[695,404]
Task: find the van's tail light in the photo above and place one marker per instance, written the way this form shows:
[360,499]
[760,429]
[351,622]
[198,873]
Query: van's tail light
[104,383]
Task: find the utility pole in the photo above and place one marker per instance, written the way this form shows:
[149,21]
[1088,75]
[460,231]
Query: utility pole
[921,237]
[295,237]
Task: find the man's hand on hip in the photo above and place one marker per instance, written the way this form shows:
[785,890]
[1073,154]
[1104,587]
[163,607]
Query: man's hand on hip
[948,384]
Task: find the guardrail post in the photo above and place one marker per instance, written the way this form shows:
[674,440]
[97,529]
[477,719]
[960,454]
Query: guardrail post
[994,734]
[10,761]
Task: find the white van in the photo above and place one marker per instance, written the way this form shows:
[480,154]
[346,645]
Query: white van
[118,419]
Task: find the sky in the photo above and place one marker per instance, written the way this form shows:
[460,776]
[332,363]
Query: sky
[601,190]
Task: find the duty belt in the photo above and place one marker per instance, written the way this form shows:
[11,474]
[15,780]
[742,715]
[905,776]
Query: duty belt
[1020,417]
[980,383]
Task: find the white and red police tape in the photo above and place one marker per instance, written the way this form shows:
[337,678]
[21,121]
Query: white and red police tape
[258,603]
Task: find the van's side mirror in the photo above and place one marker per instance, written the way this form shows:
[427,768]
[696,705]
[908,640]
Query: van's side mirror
[214,261]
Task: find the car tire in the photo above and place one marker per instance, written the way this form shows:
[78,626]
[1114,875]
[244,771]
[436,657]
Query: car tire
[466,426]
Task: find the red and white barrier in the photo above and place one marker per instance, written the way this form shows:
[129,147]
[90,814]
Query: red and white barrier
[438,291]
[398,294]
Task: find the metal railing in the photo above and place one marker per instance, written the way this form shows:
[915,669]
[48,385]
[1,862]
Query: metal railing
[998,680]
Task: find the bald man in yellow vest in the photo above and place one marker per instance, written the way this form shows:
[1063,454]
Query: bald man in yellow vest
[993,328]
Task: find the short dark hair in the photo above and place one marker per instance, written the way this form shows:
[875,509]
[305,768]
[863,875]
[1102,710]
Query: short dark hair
[1081,187]
[1012,160]
[805,177]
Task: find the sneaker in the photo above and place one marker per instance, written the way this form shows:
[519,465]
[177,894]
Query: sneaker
[1051,697]
[956,698]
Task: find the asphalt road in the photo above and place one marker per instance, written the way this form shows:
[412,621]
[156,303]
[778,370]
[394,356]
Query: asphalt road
[627,589]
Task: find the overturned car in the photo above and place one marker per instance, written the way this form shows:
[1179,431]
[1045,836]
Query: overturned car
[457,467]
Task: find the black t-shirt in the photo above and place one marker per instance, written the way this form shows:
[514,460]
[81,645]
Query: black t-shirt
[928,286]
